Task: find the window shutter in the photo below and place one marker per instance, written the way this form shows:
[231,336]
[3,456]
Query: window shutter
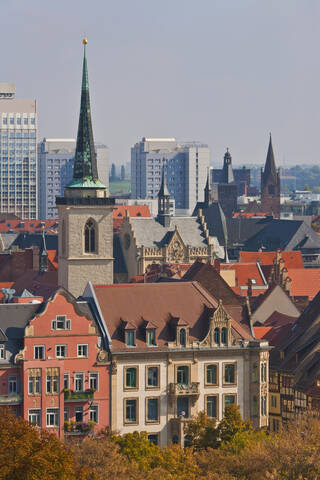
[68,325]
[54,325]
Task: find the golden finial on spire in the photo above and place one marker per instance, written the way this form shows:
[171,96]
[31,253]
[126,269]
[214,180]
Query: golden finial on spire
[85,41]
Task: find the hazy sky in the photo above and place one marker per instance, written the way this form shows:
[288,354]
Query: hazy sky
[222,72]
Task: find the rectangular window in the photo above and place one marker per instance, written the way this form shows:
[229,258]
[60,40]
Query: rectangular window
[34,417]
[183,407]
[274,401]
[131,410]
[82,350]
[153,377]
[79,382]
[94,381]
[153,438]
[66,414]
[39,352]
[183,375]
[61,351]
[61,323]
[151,336]
[212,374]
[230,400]
[94,413]
[130,338]
[34,385]
[152,410]
[66,380]
[78,413]
[13,385]
[52,417]
[25,121]
[52,384]
[212,406]
[1,351]
[131,377]
[229,373]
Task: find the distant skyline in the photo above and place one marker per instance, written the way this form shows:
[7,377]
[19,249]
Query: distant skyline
[221,72]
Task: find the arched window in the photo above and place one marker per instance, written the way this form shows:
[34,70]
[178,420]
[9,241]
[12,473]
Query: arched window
[90,237]
[183,337]
[217,336]
[224,335]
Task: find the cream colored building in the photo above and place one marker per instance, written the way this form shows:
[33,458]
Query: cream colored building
[175,351]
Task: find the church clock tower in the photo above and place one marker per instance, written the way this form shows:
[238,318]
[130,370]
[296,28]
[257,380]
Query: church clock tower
[85,212]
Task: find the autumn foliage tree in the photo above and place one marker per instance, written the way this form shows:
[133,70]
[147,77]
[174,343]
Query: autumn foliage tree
[29,454]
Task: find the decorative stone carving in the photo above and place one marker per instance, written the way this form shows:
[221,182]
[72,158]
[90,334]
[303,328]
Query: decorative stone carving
[114,368]
[19,356]
[220,319]
[102,356]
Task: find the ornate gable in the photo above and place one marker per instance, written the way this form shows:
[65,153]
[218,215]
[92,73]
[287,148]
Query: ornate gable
[176,250]
[219,333]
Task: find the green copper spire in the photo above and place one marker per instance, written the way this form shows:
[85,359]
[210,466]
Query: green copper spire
[85,171]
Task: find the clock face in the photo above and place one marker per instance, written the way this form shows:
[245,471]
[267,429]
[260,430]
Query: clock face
[127,241]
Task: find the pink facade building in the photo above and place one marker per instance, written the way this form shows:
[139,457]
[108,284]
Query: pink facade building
[53,367]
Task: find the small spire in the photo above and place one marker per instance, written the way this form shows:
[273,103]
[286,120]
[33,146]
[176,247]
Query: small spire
[43,257]
[207,189]
[270,165]
[163,192]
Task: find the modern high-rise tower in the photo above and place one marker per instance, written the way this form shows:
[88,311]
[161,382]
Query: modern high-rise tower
[18,154]
[186,170]
[85,212]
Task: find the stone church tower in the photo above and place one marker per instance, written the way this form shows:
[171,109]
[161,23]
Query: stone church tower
[85,212]
[270,185]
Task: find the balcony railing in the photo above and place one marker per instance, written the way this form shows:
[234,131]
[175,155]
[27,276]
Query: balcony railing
[71,396]
[10,399]
[78,428]
[177,389]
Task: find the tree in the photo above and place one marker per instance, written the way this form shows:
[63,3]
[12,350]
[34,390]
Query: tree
[137,448]
[123,172]
[202,432]
[232,424]
[29,454]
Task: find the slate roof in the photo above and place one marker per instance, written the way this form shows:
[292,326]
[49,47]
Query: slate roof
[215,220]
[27,240]
[14,317]
[159,303]
[150,233]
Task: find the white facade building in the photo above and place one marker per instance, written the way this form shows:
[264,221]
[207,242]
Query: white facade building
[56,158]
[18,154]
[186,168]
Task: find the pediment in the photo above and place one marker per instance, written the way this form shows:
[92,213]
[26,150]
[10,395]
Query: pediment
[219,320]
[176,247]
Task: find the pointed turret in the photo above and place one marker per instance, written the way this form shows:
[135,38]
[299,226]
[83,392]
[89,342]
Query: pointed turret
[164,201]
[85,171]
[270,165]
[207,190]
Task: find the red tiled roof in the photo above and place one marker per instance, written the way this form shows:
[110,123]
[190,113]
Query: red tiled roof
[274,335]
[159,302]
[292,259]
[260,332]
[244,272]
[20,226]
[305,282]
[53,258]
[119,213]
[250,214]
[243,292]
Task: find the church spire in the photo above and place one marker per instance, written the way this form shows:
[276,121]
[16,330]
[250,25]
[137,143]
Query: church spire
[164,201]
[85,171]
[270,165]
[207,190]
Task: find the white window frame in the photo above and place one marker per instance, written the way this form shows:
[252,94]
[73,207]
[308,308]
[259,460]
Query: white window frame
[55,412]
[44,352]
[2,351]
[66,375]
[96,376]
[65,351]
[80,345]
[66,323]
[79,409]
[31,413]
[95,410]
[75,381]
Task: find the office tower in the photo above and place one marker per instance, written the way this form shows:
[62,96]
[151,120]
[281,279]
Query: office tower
[18,154]
[186,170]
[55,164]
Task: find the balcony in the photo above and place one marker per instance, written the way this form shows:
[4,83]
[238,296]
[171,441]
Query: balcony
[11,399]
[177,389]
[71,396]
[78,428]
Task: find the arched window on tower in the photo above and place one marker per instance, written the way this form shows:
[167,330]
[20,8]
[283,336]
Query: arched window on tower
[90,237]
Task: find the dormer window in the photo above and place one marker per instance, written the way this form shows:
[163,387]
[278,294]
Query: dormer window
[129,334]
[151,336]
[183,337]
[224,335]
